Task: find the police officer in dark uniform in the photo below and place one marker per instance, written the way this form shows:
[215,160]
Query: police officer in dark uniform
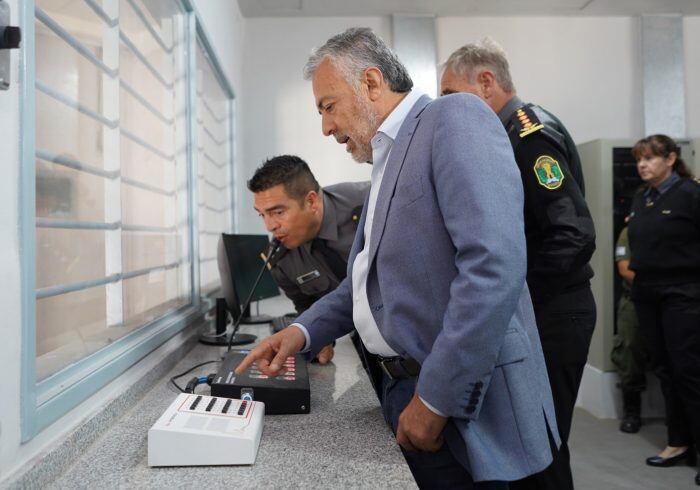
[558,229]
[316,229]
[664,232]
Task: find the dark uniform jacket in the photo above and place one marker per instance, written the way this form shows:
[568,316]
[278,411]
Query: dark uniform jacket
[665,234]
[558,226]
[304,273]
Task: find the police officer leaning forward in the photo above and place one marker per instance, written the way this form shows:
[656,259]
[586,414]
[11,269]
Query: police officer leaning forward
[664,233]
[558,229]
[629,352]
[315,227]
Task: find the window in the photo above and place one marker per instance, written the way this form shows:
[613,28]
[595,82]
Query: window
[111,238]
[213,109]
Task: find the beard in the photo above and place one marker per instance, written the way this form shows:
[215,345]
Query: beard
[361,135]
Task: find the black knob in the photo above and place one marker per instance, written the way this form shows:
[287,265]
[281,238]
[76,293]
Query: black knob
[10,38]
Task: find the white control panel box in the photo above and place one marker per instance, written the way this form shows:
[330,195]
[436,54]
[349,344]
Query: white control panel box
[199,430]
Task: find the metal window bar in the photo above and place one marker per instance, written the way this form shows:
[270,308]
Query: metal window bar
[150,229]
[84,167]
[210,232]
[148,270]
[213,209]
[213,138]
[110,22]
[130,90]
[150,28]
[97,225]
[211,111]
[206,259]
[147,187]
[132,47]
[75,164]
[50,291]
[214,185]
[77,286]
[74,104]
[208,157]
[146,144]
[73,42]
[75,225]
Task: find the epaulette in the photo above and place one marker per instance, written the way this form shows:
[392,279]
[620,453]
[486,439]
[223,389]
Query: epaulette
[526,121]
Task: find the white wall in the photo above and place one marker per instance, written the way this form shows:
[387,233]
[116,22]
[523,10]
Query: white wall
[277,105]
[691,32]
[10,306]
[586,70]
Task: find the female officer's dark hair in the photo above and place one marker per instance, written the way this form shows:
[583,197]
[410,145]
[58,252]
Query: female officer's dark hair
[289,170]
[661,145]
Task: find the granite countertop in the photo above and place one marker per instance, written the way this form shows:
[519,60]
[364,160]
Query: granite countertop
[343,442]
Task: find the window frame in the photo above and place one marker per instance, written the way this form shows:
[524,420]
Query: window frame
[202,40]
[43,402]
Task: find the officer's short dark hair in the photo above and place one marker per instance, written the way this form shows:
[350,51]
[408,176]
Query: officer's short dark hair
[660,145]
[288,170]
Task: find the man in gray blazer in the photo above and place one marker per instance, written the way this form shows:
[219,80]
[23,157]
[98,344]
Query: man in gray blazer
[436,275]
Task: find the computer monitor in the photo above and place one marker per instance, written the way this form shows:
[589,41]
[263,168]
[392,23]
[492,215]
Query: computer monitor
[240,261]
[240,258]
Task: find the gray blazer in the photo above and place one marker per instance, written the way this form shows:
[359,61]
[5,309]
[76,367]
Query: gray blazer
[447,286]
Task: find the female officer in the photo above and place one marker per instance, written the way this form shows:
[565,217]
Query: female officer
[664,232]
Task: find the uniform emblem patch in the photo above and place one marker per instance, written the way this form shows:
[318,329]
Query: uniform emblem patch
[548,172]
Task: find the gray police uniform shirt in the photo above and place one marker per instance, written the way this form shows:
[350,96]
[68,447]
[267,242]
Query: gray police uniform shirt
[303,273]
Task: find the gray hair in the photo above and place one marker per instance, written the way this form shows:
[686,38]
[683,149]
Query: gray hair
[483,54]
[355,50]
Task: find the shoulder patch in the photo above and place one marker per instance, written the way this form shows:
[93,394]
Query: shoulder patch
[548,172]
[526,121]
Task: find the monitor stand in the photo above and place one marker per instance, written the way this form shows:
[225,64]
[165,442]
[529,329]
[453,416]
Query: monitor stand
[219,337]
[249,319]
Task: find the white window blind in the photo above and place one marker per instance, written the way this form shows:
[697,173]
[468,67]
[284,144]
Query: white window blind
[215,185]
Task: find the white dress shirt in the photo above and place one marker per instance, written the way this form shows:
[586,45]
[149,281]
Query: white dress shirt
[382,142]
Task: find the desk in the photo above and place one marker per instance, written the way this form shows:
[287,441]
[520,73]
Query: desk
[343,442]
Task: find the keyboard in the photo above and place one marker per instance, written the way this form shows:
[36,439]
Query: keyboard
[280,322]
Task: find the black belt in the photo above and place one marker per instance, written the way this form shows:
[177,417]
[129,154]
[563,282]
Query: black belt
[399,367]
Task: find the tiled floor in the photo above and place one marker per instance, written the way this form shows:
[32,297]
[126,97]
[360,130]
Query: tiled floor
[603,458]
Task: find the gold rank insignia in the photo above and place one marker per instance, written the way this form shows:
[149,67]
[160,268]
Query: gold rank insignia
[527,125]
[548,172]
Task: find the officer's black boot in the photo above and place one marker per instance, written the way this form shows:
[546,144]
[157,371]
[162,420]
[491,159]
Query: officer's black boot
[632,404]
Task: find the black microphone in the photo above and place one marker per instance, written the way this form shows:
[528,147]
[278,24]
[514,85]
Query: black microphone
[271,251]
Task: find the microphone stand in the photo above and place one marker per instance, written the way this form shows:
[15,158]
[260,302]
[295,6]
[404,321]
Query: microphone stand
[246,338]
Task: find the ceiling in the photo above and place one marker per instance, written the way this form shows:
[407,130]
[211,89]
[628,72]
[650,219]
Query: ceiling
[461,8]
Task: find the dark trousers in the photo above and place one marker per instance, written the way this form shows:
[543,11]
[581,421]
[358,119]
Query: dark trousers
[430,470]
[565,323]
[669,319]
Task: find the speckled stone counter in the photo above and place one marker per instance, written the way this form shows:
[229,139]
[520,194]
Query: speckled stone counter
[344,441]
